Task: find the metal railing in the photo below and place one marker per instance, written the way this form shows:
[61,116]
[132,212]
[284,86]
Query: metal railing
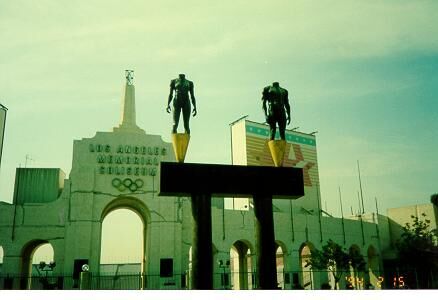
[310,280]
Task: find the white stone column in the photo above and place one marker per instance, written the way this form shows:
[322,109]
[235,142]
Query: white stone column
[128,107]
[128,113]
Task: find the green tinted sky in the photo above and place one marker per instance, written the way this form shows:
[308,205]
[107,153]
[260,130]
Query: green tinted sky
[364,74]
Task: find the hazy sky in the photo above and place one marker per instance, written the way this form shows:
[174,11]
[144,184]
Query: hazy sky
[364,74]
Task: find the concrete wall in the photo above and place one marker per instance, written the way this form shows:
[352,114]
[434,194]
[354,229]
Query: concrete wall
[37,185]
[398,217]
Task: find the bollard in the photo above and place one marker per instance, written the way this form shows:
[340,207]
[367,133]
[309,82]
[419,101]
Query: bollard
[85,278]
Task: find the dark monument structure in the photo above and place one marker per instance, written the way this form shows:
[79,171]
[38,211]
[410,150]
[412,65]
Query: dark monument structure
[202,181]
[183,90]
[277,110]
[277,107]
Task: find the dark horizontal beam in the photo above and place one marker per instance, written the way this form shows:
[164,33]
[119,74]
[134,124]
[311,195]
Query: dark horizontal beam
[185,179]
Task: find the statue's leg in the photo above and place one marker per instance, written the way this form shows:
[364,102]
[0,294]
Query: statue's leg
[176,115]
[282,126]
[272,129]
[186,116]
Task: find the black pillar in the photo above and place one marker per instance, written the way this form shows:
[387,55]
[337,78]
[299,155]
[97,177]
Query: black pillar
[266,278]
[200,181]
[202,249]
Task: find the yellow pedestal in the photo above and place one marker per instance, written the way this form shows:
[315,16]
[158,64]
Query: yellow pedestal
[180,142]
[277,148]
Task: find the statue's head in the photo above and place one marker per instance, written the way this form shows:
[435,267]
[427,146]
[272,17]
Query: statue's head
[276,84]
[182,76]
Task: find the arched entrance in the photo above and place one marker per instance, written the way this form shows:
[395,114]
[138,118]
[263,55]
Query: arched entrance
[279,253]
[356,279]
[37,266]
[189,272]
[373,267]
[307,280]
[1,259]
[224,276]
[2,277]
[241,263]
[124,238]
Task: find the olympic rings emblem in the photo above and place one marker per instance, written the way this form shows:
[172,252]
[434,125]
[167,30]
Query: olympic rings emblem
[127,183]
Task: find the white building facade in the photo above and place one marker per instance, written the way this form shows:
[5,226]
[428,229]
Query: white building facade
[121,169]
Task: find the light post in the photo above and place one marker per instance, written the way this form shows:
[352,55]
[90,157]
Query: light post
[43,266]
[85,278]
[224,276]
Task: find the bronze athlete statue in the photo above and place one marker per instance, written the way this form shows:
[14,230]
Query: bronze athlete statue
[276,109]
[183,89]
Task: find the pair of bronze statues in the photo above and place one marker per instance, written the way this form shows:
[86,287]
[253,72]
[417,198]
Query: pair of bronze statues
[275,105]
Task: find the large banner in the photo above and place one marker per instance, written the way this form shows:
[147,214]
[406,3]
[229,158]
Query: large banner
[300,151]
[3,111]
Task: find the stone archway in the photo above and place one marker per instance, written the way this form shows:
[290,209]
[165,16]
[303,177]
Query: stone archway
[241,264]
[140,209]
[2,276]
[27,255]
[307,278]
[356,279]
[2,254]
[189,270]
[219,267]
[280,252]
[373,267]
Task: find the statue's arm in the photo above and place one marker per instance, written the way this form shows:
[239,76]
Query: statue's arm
[192,94]
[192,97]
[264,99]
[172,87]
[287,106]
